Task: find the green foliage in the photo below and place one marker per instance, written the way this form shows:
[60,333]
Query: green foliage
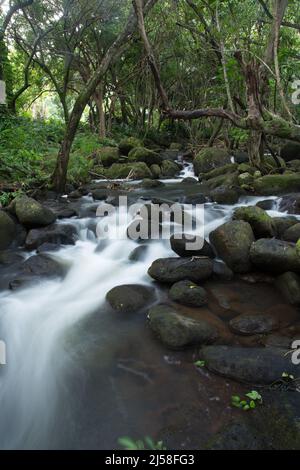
[252,399]
[199,363]
[147,444]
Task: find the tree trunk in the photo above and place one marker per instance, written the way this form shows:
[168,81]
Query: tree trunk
[99,102]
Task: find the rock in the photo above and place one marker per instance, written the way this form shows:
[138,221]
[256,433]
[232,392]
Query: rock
[241,157]
[277,184]
[139,253]
[156,171]
[245,178]
[266,205]
[10,258]
[138,170]
[189,180]
[66,213]
[141,154]
[289,285]
[294,165]
[249,324]
[246,168]
[34,268]
[57,234]
[222,271]
[75,194]
[99,194]
[130,297]
[179,246]
[220,171]
[128,144]
[232,242]
[171,270]
[149,183]
[250,365]
[290,151]
[292,234]
[281,224]
[260,221]
[177,331]
[229,181]
[7,230]
[195,199]
[188,293]
[224,195]
[275,256]
[48,247]
[32,214]
[210,158]
[107,156]
[169,169]
[175,146]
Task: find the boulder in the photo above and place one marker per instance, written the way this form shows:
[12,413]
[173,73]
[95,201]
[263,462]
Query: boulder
[138,170]
[220,171]
[99,194]
[222,271]
[148,183]
[177,331]
[290,151]
[171,270]
[188,293]
[292,234]
[35,268]
[241,157]
[7,230]
[156,171]
[130,297]
[282,224]
[189,180]
[224,195]
[210,158]
[33,214]
[195,199]
[47,248]
[228,180]
[270,185]
[141,154]
[289,285]
[249,324]
[245,178]
[169,169]
[128,144]
[108,155]
[259,220]
[266,204]
[232,242]
[65,234]
[275,256]
[179,246]
[251,365]
[139,253]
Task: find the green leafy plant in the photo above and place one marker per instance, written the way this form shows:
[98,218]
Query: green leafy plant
[252,399]
[199,363]
[146,444]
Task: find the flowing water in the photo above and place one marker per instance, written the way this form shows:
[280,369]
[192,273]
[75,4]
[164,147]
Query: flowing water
[79,375]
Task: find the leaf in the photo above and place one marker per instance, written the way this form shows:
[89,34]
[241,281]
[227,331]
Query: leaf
[199,363]
[235,398]
[254,395]
[246,408]
[128,443]
[252,404]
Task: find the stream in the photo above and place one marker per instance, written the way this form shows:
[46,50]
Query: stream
[80,376]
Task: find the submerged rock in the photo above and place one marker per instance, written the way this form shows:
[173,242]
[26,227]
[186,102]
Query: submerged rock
[188,293]
[251,365]
[177,331]
[130,297]
[7,230]
[289,284]
[232,242]
[259,220]
[179,246]
[171,270]
[65,234]
[33,214]
[249,324]
[275,256]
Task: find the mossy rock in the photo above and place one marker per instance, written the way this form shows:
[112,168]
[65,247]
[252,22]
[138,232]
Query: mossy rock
[209,159]
[107,156]
[260,221]
[245,179]
[7,230]
[277,184]
[169,169]
[269,163]
[33,214]
[128,144]
[156,171]
[246,168]
[141,154]
[175,146]
[228,180]
[137,170]
[223,170]
[290,151]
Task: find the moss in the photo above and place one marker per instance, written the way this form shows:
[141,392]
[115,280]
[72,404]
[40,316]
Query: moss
[137,170]
[209,159]
[259,220]
[141,154]
[108,155]
[128,144]
[169,168]
[277,184]
[225,169]
[227,180]
[156,171]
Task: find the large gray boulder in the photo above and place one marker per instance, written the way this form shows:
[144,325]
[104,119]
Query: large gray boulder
[33,214]
[171,270]
[7,230]
[36,268]
[232,242]
[58,234]
[177,331]
[275,256]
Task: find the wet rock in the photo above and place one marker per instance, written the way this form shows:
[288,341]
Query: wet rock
[188,293]
[149,183]
[10,258]
[128,144]
[177,331]
[277,184]
[139,253]
[224,195]
[33,214]
[267,204]
[195,199]
[281,224]
[7,230]
[229,181]
[290,204]
[189,180]
[47,247]
[180,245]
[249,324]
[290,151]
[289,285]
[99,194]
[66,213]
[130,297]
[275,256]
[75,194]
[259,220]
[171,270]
[169,169]
[141,154]
[251,365]
[232,242]
[292,234]
[35,268]
[138,170]
[209,159]
[220,171]
[57,234]
[222,271]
